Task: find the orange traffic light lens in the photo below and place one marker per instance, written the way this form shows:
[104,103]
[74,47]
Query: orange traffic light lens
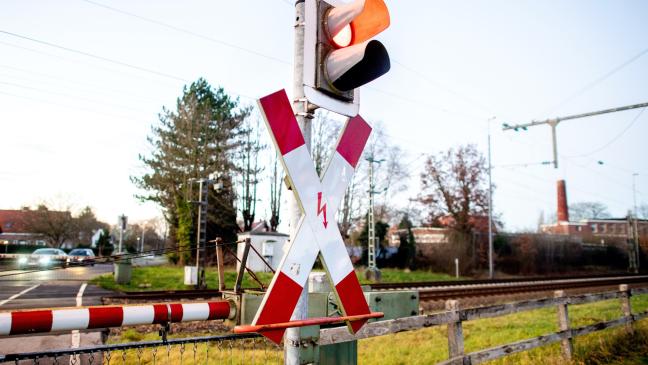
[344,37]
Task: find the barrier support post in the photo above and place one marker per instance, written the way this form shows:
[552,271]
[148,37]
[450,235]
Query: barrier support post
[455,331]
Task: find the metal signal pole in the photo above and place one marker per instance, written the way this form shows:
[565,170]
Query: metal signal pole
[490,207]
[373,272]
[293,340]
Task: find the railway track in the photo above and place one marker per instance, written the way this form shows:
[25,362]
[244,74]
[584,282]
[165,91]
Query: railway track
[437,290]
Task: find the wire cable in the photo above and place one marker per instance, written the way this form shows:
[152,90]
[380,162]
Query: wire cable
[614,139]
[600,79]
[98,57]
[189,32]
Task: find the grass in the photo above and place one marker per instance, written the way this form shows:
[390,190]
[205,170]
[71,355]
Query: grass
[428,346]
[172,278]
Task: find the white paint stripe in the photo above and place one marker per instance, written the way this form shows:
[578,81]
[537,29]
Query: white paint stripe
[76,336]
[5,323]
[17,295]
[79,297]
[195,311]
[138,315]
[68,319]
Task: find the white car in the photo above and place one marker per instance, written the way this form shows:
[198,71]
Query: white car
[44,257]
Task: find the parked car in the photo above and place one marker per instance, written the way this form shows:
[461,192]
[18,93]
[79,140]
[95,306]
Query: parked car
[82,256]
[44,257]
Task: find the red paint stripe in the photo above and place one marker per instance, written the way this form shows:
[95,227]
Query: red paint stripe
[281,302]
[353,299]
[101,317]
[176,312]
[281,118]
[353,140]
[160,313]
[31,322]
[219,310]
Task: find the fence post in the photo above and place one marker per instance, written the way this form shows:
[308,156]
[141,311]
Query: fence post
[626,308]
[563,325]
[455,330]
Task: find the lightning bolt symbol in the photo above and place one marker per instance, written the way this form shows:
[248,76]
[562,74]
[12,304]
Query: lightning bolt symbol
[321,208]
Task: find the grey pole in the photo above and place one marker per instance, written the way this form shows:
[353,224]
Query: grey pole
[634,193]
[292,342]
[490,206]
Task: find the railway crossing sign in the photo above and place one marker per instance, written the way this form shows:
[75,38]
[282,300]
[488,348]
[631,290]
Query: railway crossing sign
[316,231]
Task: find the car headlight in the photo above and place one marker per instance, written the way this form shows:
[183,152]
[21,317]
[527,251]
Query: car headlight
[22,260]
[44,260]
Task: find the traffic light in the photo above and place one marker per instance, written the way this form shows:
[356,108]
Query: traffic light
[339,52]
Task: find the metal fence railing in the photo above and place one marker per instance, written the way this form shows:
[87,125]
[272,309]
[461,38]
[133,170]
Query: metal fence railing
[228,349]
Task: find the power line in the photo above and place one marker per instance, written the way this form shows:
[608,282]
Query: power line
[94,87]
[425,77]
[601,79]
[286,62]
[67,106]
[615,138]
[101,58]
[187,31]
[69,96]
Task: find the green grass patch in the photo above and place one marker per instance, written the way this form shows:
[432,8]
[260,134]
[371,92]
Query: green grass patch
[172,278]
[428,346]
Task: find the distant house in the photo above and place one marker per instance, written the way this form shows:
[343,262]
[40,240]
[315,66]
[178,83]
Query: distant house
[13,229]
[435,235]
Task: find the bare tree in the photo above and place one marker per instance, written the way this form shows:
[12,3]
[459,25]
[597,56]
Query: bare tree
[588,210]
[251,146]
[325,133]
[642,211]
[276,180]
[56,225]
[454,186]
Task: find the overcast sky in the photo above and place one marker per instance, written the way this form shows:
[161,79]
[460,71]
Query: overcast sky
[72,125]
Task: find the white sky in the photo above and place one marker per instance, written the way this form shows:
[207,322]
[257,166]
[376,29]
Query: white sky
[74,125]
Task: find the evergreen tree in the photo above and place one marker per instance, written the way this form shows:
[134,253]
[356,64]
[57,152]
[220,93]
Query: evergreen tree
[407,248]
[199,138]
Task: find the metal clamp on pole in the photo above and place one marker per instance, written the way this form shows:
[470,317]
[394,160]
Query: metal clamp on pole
[166,326]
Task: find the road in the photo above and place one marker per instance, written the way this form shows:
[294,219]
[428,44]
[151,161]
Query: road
[68,287]
[21,289]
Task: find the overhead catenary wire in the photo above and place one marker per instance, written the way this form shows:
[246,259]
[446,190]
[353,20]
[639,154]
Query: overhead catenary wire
[600,79]
[613,139]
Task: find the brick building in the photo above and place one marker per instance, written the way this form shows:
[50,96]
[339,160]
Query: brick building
[589,229]
[13,229]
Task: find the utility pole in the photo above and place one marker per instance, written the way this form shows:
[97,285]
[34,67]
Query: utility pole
[123,221]
[553,123]
[373,273]
[201,234]
[490,206]
[634,225]
[303,113]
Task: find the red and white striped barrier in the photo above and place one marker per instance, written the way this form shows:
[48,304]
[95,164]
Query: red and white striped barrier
[317,231]
[66,319]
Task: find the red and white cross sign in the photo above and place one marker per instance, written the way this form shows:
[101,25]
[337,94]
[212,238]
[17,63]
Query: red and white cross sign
[316,231]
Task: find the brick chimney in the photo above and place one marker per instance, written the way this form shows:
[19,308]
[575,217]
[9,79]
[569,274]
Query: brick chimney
[563,210]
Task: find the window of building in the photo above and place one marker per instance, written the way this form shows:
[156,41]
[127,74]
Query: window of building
[579,228]
[594,228]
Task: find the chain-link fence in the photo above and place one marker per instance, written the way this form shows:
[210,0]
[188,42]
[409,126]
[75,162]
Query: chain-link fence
[229,349]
